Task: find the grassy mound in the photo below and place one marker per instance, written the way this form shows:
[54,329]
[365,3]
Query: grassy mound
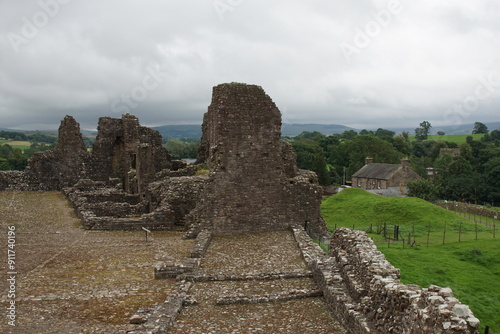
[365,211]
[357,206]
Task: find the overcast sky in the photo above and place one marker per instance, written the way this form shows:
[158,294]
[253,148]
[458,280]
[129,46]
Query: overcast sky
[360,63]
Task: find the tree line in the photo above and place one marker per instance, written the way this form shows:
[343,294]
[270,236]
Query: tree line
[16,159]
[473,175]
[34,137]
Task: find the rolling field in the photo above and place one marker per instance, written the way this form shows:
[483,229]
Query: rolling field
[16,143]
[459,139]
[447,250]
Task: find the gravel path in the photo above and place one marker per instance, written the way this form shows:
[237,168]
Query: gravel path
[251,254]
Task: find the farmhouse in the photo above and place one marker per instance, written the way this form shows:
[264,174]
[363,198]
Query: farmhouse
[384,179]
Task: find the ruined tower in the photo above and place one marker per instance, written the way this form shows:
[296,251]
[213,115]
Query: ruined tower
[254,183]
[126,150]
[64,165]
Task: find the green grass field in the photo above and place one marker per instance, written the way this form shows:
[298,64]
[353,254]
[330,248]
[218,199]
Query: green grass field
[459,139]
[470,267]
[16,144]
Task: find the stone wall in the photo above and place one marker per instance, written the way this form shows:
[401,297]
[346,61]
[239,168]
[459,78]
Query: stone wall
[363,289]
[126,150]
[254,184]
[469,208]
[173,198]
[123,149]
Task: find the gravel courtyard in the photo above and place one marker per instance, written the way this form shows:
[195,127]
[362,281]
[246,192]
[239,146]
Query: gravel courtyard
[69,280]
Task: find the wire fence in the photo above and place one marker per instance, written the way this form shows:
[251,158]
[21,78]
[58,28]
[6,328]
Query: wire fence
[430,234]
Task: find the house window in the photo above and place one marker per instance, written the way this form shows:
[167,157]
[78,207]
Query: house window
[379,184]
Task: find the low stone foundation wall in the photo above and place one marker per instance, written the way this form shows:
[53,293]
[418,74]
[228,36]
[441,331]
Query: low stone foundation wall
[201,244]
[201,277]
[163,317]
[363,289]
[268,298]
[189,267]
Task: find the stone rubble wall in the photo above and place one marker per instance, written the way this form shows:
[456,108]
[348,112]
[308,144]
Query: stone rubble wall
[328,277]
[201,244]
[126,150]
[162,318]
[189,266]
[468,208]
[391,306]
[13,180]
[173,198]
[106,206]
[364,291]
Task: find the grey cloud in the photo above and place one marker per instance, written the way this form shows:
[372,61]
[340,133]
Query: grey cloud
[94,53]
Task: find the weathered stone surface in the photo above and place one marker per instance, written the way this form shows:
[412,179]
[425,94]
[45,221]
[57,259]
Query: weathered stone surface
[63,166]
[128,151]
[254,184]
[171,199]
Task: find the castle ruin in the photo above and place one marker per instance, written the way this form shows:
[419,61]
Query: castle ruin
[128,182]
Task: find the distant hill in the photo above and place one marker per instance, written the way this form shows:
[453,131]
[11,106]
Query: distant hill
[293,130]
[179,131]
[462,129]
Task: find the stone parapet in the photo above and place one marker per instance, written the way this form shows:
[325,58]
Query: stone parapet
[364,291]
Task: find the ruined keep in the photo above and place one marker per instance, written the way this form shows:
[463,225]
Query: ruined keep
[254,184]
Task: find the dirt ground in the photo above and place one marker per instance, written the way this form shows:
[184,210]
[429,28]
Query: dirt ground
[69,280]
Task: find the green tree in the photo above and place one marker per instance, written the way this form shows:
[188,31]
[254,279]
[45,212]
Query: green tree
[402,145]
[310,156]
[383,133]
[366,132]
[179,149]
[479,128]
[422,132]
[348,134]
[423,189]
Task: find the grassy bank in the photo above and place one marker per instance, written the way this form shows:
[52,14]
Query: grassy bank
[470,267]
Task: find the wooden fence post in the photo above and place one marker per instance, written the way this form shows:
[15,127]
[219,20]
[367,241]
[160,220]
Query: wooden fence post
[428,233]
[444,233]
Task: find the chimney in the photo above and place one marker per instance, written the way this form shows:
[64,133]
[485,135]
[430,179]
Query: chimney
[368,160]
[405,162]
